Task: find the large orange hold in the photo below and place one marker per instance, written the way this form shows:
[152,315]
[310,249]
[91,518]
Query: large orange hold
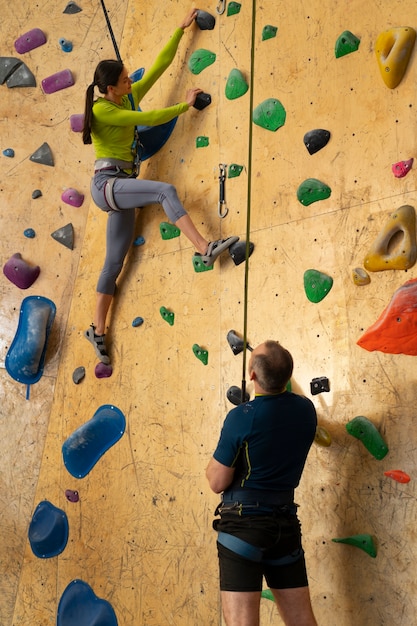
[395,332]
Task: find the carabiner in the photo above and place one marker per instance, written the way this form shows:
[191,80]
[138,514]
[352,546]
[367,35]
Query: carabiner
[222,201]
[221,7]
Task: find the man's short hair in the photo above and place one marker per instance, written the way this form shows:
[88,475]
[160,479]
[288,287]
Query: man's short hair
[273,368]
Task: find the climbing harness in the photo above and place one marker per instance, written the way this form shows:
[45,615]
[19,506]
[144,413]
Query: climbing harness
[223,210]
[221,7]
[253,553]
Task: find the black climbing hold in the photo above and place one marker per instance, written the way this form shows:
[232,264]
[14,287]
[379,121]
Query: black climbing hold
[65,235]
[202,101]
[236,343]
[78,374]
[72,8]
[204,20]
[316,139]
[43,155]
[234,395]
[318,385]
[238,251]
[36,194]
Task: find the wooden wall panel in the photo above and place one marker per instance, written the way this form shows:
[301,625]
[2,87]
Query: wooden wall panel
[141,533]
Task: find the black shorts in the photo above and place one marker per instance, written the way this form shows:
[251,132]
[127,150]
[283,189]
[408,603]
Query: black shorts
[279,535]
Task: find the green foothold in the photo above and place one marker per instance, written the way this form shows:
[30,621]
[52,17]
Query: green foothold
[236,85]
[317,285]
[364,430]
[269,32]
[289,386]
[200,59]
[270,114]
[267,593]
[365,542]
[312,190]
[234,170]
[346,43]
[202,142]
[201,354]
[168,231]
[199,265]
[168,316]
[233,8]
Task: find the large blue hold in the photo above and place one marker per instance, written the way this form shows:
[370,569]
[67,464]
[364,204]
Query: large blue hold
[79,606]
[26,356]
[89,442]
[48,530]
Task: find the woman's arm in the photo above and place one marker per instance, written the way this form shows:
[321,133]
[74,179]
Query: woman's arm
[163,60]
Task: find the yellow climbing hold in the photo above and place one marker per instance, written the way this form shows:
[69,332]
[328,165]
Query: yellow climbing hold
[360,277]
[322,437]
[393,50]
[388,252]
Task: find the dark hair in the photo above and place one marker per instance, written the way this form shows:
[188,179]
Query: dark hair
[107,73]
[273,368]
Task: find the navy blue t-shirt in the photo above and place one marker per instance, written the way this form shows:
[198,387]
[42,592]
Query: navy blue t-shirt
[267,441]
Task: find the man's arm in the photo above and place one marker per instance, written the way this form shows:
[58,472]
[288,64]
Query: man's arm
[219,476]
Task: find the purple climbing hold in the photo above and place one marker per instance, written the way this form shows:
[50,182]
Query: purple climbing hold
[103,371]
[19,272]
[72,197]
[30,40]
[72,496]
[77,122]
[58,81]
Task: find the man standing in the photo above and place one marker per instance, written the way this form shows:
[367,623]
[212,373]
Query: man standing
[257,464]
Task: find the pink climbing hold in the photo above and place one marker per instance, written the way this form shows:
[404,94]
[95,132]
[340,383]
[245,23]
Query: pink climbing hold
[19,272]
[60,80]
[30,40]
[402,168]
[72,197]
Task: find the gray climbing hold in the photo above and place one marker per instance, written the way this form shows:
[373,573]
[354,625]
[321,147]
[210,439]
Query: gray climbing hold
[7,66]
[78,374]
[43,155]
[65,235]
[72,8]
[21,77]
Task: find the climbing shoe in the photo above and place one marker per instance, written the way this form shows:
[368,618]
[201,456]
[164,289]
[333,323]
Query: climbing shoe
[98,343]
[215,249]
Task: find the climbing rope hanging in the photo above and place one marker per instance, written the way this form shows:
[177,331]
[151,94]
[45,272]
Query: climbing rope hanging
[248,212]
[115,46]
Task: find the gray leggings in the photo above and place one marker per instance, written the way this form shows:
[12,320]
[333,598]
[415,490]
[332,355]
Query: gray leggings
[129,194]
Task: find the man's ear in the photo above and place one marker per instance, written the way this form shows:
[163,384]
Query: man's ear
[252,375]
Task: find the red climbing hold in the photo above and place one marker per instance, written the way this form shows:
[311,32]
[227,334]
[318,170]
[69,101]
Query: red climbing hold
[398,475]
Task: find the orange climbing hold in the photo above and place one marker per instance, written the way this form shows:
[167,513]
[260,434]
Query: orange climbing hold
[395,332]
[398,475]
[393,49]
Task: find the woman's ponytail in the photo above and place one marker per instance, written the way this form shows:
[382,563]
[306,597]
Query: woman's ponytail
[88,114]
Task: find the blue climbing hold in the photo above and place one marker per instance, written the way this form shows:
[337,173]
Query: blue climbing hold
[89,442]
[9,152]
[48,530]
[29,233]
[138,321]
[79,606]
[26,356]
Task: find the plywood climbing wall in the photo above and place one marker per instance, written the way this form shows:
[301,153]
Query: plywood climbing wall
[140,534]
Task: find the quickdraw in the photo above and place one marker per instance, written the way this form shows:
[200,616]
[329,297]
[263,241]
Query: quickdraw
[223,210]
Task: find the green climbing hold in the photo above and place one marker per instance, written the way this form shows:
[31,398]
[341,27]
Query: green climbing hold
[270,114]
[236,85]
[269,32]
[168,316]
[201,354]
[317,285]
[364,430]
[200,59]
[312,190]
[202,142]
[233,8]
[267,593]
[365,542]
[346,43]
[199,265]
[168,231]
[234,170]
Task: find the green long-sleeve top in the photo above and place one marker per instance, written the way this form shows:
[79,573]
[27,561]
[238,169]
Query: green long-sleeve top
[113,125]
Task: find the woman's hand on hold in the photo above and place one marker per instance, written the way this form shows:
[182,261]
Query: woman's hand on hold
[189,19]
[192,95]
